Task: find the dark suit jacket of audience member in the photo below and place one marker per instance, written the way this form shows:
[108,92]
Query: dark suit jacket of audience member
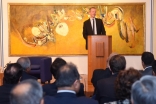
[99,74]
[147,71]
[5,93]
[27,76]
[68,98]
[51,89]
[106,89]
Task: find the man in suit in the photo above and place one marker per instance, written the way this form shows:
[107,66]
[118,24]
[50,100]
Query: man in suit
[27,92]
[51,89]
[144,90]
[68,83]
[25,63]
[93,26]
[106,87]
[12,74]
[147,60]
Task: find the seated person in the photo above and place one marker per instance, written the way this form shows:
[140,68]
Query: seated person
[27,92]
[154,67]
[105,87]
[68,83]
[51,89]
[144,90]
[123,85]
[99,74]
[25,63]
[12,74]
[147,60]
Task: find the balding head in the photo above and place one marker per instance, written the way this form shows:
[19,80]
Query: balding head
[27,92]
[24,62]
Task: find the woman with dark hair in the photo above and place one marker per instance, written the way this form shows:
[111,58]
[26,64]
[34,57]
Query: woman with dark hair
[123,85]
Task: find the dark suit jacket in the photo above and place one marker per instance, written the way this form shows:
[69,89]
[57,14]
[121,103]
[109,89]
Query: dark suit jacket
[68,98]
[87,29]
[27,76]
[106,89]
[147,71]
[51,89]
[5,93]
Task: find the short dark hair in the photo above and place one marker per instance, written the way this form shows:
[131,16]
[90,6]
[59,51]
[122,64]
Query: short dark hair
[56,65]
[32,95]
[154,66]
[12,73]
[117,63]
[91,8]
[147,58]
[124,82]
[67,75]
[144,90]
[24,62]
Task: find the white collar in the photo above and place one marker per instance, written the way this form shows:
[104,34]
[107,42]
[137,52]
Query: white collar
[147,67]
[70,91]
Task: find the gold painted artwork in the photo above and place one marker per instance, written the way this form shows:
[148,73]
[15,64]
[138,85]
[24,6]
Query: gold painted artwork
[57,29]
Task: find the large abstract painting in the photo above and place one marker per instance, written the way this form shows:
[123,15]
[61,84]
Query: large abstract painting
[56,29]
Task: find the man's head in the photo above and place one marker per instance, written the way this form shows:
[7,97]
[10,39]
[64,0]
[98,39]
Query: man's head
[27,92]
[144,90]
[68,78]
[56,65]
[25,63]
[117,63]
[110,56]
[12,73]
[92,12]
[154,67]
[147,59]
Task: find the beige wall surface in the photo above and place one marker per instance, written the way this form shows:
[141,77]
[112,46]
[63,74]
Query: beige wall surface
[80,61]
[154,30]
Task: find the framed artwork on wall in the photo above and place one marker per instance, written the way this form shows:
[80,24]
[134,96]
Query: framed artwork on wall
[56,29]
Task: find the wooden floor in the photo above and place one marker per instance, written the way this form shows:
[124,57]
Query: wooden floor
[84,79]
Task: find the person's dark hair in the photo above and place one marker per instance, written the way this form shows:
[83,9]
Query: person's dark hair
[67,75]
[144,90]
[32,95]
[117,63]
[56,65]
[24,62]
[154,66]
[147,58]
[12,73]
[91,8]
[124,82]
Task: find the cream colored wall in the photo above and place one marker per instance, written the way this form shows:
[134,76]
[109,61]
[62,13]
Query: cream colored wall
[80,61]
[154,30]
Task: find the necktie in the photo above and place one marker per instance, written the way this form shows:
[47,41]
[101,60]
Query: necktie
[93,28]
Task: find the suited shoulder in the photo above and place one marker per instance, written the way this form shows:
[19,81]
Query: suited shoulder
[86,100]
[88,20]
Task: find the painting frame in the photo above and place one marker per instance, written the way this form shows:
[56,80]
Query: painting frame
[71,4]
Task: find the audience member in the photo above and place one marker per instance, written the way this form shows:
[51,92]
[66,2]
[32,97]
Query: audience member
[144,90]
[25,63]
[154,67]
[27,92]
[51,89]
[147,60]
[12,74]
[99,74]
[123,85]
[105,87]
[68,83]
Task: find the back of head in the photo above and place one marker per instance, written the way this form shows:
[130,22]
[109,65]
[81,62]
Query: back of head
[154,66]
[12,73]
[56,65]
[67,75]
[124,81]
[147,58]
[27,92]
[110,56]
[24,62]
[117,63]
[144,90]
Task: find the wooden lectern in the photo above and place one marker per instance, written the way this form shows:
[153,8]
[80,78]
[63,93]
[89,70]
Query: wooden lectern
[99,49]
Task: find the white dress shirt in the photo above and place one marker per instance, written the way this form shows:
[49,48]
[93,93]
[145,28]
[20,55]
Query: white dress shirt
[70,91]
[95,28]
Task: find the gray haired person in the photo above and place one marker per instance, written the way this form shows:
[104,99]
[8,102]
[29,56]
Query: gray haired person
[27,92]
[144,90]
